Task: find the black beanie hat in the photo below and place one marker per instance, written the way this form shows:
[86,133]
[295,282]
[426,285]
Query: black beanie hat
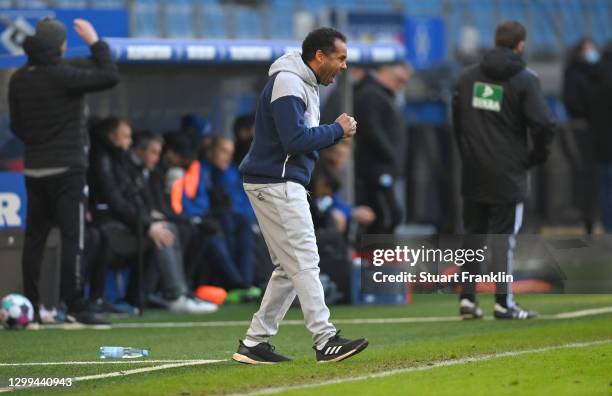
[51,31]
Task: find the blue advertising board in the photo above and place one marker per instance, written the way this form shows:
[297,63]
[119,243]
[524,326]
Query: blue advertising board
[184,51]
[374,27]
[425,40]
[16,24]
[203,51]
[13,200]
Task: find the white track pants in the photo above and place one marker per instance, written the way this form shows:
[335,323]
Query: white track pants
[284,217]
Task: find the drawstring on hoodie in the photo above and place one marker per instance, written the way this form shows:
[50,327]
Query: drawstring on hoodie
[285,164]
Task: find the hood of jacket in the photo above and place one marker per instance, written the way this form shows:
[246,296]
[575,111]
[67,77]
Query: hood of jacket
[40,52]
[292,62]
[501,63]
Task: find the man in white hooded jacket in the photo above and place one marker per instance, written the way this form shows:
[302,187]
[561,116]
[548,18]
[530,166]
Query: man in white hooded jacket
[276,170]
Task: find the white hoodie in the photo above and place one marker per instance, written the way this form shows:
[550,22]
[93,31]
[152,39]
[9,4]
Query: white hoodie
[297,79]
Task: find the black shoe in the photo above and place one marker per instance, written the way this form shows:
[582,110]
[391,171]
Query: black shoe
[262,353]
[85,318]
[514,312]
[101,306]
[470,310]
[337,349]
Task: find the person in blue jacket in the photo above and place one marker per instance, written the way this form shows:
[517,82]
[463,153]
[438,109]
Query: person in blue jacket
[219,195]
[231,208]
[275,171]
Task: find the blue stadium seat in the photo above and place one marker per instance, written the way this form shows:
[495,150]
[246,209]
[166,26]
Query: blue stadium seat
[31,4]
[432,8]
[110,3]
[314,5]
[147,18]
[351,5]
[455,22]
[70,3]
[115,287]
[545,18]
[281,19]
[214,20]
[102,4]
[179,18]
[484,19]
[572,16]
[248,23]
[365,5]
[601,12]
[512,10]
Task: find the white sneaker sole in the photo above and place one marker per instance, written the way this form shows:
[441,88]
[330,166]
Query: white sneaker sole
[247,360]
[347,355]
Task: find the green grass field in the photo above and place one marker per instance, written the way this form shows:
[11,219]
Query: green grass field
[418,349]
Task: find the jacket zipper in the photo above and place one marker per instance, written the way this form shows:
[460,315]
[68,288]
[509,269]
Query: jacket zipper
[285,164]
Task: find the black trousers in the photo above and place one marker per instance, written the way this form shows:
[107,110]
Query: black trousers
[494,226]
[93,269]
[383,202]
[55,201]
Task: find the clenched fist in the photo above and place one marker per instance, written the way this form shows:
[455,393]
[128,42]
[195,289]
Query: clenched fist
[348,124]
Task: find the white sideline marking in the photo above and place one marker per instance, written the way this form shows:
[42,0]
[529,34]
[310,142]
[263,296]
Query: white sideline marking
[429,366]
[584,312]
[293,322]
[423,319]
[95,362]
[133,371]
[181,363]
[145,369]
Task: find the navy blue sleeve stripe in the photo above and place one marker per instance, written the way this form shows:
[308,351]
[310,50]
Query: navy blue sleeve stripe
[295,136]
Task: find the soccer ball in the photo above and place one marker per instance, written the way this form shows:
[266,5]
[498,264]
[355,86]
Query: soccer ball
[16,311]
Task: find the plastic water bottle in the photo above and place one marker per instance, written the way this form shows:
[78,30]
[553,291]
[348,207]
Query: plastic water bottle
[113,352]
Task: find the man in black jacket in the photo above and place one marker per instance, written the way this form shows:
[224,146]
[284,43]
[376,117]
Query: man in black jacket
[46,113]
[578,147]
[497,103]
[598,95]
[379,145]
[124,210]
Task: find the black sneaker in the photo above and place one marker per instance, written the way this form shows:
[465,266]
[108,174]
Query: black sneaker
[337,349]
[101,306]
[469,309]
[514,312]
[262,353]
[85,319]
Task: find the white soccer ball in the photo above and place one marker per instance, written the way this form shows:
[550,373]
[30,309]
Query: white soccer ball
[16,311]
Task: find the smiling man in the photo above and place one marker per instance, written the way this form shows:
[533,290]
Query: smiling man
[276,170]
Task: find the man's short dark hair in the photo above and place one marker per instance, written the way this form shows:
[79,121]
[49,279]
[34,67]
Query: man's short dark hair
[180,144]
[51,31]
[509,34]
[143,139]
[243,122]
[323,39]
[102,128]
